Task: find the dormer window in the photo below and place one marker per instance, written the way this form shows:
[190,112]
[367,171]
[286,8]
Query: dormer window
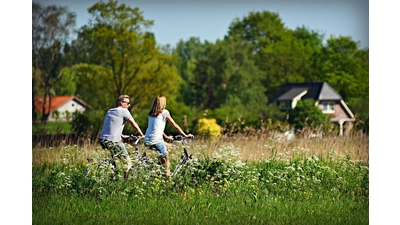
[328,107]
[285,105]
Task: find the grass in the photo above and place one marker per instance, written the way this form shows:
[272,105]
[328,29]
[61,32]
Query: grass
[233,180]
[60,127]
[229,208]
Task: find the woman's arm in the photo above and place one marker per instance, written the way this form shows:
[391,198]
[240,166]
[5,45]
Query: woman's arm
[177,127]
[168,138]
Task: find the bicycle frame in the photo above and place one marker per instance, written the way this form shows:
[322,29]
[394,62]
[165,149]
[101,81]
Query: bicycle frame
[143,158]
[184,156]
[106,162]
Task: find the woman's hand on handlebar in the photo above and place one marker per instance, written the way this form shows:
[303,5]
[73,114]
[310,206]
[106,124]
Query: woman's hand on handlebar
[189,136]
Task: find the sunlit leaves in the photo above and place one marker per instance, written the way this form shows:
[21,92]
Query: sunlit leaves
[116,39]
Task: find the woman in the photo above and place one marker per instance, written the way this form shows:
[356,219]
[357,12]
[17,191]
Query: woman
[157,119]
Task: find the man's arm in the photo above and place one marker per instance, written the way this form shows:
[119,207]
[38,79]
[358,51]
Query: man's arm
[136,126]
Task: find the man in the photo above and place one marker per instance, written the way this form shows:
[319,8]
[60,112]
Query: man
[111,133]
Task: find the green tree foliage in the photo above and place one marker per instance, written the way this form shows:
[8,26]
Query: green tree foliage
[285,56]
[231,79]
[265,32]
[187,54]
[181,114]
[346,68]
[91,85]
[258,28]
[273,113]
[88,123]
[307,115]
[282,54]
[361,109]
[227,80]
[131,63]
[67,83]
[51,27]
[307,48]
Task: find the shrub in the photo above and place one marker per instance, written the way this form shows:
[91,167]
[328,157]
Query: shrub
[208,128]
[307,114]
[88,123]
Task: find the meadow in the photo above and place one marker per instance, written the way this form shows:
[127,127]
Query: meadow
[235,179]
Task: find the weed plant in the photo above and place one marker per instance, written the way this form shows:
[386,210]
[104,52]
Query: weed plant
[237,179]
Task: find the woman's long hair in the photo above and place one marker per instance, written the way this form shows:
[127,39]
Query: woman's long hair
[159,104]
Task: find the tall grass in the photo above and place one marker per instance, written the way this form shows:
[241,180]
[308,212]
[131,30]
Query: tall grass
[238,179]
[264,147]
[252,147]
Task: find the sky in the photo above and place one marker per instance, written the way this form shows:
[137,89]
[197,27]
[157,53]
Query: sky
[176,20]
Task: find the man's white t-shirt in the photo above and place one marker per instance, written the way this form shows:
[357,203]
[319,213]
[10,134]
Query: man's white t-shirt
[114,123]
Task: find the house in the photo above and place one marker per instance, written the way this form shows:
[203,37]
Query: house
[62,108]
[327,99]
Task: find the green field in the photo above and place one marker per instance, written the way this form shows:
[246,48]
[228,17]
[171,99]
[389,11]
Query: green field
[51,128]
[224,184]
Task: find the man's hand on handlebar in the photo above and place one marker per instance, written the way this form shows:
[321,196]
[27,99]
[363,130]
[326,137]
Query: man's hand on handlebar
[125,136]
[130,138]
[169,138]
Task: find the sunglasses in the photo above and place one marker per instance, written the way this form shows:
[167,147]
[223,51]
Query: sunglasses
[126,102]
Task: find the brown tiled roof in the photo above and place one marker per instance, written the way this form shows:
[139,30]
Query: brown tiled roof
[56,102]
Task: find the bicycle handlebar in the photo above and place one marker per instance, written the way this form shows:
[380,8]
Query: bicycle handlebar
[136,139]
[181,138]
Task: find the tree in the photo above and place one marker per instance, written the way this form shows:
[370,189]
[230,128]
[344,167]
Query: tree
[122,58]
[258,28]
[346,68]
[66,84]
[307,50]
[51,27]
[187,54]
[282,54]
[227,81]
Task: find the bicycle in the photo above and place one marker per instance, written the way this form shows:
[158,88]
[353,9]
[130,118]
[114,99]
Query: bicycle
[100,167]
[104,165]
[144,161]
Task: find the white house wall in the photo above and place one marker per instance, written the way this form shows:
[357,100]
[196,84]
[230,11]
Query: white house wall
[298,98]
[71,106]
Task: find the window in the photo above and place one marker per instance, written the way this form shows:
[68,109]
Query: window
[285,105]
[328,107]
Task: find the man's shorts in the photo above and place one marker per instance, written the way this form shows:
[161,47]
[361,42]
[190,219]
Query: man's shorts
[116,148]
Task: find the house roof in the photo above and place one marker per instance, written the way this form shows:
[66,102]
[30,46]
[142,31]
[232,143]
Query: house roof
[292,93]
[57,102]
[315,90]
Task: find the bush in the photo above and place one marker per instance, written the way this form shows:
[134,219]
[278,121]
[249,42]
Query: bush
[307,114]
[208,128]
[88,123]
